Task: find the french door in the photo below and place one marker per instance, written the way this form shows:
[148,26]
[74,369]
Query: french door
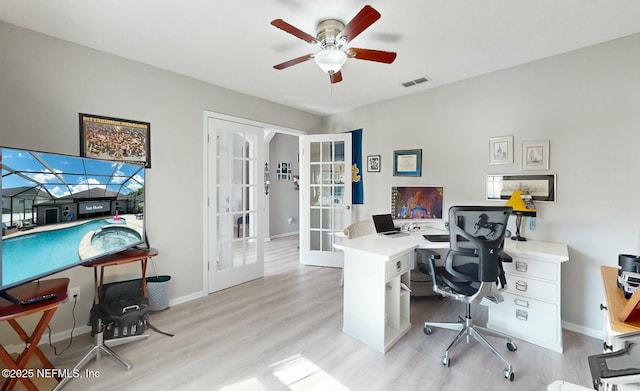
[326,197]
[235,194]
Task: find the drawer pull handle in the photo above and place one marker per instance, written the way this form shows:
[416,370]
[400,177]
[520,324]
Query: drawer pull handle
[521,303]
[521,266]
[603,307]
[521,286]
[607,347]
[522,315]
[398,266]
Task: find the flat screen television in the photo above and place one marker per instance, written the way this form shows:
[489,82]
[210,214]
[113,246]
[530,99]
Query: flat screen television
[60,211]
[417,202]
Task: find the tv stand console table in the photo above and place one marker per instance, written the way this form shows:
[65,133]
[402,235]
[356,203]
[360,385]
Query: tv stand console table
[100,346]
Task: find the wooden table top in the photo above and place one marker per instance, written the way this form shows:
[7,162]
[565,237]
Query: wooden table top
[58,286]
[126,256]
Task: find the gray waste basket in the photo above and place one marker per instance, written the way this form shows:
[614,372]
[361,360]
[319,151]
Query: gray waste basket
[158,289]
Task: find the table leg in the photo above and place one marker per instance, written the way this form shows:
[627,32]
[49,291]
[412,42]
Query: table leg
[31,347]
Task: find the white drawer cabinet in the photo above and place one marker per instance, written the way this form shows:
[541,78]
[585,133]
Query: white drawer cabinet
[532,301]
[376,297]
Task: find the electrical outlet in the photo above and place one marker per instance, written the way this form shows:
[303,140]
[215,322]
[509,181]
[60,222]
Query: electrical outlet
[74,292]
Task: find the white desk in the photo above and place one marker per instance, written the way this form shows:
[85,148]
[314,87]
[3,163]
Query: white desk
[376,307]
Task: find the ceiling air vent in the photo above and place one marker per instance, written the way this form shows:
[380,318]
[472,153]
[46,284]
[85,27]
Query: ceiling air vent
[416,81]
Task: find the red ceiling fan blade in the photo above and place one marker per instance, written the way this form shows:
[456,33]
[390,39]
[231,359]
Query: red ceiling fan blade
[282,25]
[335,77]
[372,55]
[295,61]
[365,18]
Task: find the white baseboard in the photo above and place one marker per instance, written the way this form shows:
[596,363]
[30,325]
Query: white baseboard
[598,334]
[284,235]
[55,338]
[86,329]
[184,299]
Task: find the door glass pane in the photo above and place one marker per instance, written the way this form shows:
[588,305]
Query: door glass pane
[222,171]
[237,199]
[315,174]
[251,219]
[224,232]
[315,196]
[339,151]
[315,218]
[338,195]
[327,241]
[238,146]
[339,173]
[327,174]
[223,145]
[240,224]
[238,172]
[315,241]
[314,153]
[325,194]
[327,220]
[222,199]
[325,154]
[338,220]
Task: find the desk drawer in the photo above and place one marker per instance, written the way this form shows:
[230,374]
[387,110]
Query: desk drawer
[398,265]
[543,290]
[525,318]
[532,268]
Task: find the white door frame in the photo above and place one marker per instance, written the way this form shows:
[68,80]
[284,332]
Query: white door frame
[206,115]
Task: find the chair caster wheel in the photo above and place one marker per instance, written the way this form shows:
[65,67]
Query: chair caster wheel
[509,374]
[512,346]
[446,361]
[427,330]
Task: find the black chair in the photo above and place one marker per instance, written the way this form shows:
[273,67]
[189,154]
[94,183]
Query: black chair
[472,271]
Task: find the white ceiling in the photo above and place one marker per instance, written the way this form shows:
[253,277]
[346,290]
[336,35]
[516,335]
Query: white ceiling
[231,43]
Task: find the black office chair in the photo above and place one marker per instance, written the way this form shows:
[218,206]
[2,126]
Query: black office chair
[472,271]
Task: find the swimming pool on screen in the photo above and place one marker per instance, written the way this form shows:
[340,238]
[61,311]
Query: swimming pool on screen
[53,249]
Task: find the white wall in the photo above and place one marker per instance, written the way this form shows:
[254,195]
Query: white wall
[46,82]
[283,198]
[585,102]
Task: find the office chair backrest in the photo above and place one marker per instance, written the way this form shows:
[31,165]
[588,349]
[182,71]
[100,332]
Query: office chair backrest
[359,228]
[479,231]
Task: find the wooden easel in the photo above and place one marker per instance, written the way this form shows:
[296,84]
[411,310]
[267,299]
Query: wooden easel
[10,312]
[630,310]
[624,315]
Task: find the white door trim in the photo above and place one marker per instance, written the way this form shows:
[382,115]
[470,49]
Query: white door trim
[206,115]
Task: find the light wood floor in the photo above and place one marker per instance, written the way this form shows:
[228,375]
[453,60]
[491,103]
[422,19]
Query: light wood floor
[284,332]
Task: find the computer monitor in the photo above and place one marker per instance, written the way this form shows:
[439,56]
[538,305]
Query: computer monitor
[417,202]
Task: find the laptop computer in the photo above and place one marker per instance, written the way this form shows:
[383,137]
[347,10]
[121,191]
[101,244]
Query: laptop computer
[384,226]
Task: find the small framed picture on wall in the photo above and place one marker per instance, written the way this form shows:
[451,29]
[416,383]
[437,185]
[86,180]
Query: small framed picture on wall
[373,163]
[535,155]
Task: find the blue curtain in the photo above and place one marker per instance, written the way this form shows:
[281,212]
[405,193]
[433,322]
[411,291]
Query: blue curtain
[357,192]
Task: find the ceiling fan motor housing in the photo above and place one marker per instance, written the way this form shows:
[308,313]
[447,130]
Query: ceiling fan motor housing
[327,32]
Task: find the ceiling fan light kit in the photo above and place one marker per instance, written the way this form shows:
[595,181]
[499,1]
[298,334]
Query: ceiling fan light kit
[331,36]
[330,60]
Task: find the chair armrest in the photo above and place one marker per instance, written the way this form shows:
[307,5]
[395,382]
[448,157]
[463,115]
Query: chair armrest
[504,257]
[425,260]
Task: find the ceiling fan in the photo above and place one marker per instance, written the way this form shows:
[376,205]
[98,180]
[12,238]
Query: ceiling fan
[331,36]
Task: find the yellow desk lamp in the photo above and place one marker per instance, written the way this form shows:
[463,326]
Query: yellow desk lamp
[522,204]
